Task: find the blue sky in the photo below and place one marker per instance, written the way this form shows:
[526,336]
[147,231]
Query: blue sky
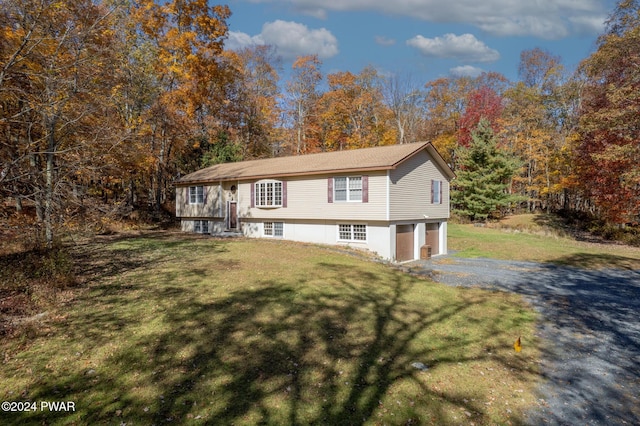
[423,39]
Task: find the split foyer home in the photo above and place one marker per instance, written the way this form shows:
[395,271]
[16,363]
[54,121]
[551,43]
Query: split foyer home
[392,200]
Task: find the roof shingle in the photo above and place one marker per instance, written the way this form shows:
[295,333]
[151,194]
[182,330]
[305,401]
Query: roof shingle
[377,158]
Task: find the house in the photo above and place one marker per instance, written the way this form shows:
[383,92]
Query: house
[391,200]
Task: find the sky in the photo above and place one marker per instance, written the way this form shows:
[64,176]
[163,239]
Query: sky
[420,39]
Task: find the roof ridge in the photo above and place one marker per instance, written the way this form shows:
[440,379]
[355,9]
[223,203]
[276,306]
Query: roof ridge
[306,164]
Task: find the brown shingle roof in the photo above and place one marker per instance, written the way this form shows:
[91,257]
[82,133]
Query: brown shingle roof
[377,158]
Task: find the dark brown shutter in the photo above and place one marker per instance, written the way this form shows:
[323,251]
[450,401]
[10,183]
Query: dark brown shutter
[330,190]
[365,189]
[440,192]
[432,194]
[187,192]
[284,193]
[253,194]
[205,192]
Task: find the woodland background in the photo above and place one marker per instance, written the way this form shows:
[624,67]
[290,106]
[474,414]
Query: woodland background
[104,104]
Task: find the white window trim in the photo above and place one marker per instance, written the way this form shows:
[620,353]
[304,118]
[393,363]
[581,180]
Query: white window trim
[437,191]
[201,225]
[273,229]
[352,240]
[196,194]
[348,200]
[257,192]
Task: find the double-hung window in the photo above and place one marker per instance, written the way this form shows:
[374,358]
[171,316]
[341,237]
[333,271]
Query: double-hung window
[268,194]
[201,226]
[352,232]
[196,195]
[347,188]
[273,229]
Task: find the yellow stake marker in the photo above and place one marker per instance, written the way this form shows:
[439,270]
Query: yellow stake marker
[517,345]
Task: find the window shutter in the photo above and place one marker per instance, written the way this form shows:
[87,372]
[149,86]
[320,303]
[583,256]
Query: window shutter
[284,193]
[330,190]
[253,194]
[205,192]
[432,194]
[186,193]
[440,192]
[365,189]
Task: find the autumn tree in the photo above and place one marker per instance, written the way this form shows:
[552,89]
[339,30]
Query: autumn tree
[55,89]
[302,101]
[534,120]
[447,101]
[482,103]
[608,153]
[353,114]
[257,103]
[186,39]
[405,100]
[481,188]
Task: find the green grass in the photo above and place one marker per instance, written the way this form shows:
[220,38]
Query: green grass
[523,238]
[187,330]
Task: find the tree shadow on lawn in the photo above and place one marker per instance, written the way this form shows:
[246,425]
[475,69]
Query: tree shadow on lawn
[599,260]
[592,363]
[96,263]
[272,354]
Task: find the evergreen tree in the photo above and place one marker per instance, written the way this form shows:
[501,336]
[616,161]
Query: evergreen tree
[484,175]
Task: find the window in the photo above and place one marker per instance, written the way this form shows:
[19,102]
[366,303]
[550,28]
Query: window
[349,232]
[273,229]
[268,194]
[436,192]
[196,195]
[348,188]
[201,226]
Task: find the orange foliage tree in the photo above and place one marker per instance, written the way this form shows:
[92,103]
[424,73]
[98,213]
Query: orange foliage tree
[353,114]
[55,87]
[187,40]
[534,126]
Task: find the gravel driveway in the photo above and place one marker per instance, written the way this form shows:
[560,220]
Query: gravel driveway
[591,324]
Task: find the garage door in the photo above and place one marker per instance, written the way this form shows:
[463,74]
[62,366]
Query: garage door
[404,242]
[432,238]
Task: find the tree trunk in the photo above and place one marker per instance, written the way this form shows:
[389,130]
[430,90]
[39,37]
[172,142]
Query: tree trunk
[48,195]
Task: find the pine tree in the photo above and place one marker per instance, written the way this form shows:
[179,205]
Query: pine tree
[484,176]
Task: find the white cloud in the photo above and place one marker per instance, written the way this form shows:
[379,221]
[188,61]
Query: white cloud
[384,41]
[463,48]
[548,19]
[290,39]
[466,71]
[239,40]
[293,39]
[588,24]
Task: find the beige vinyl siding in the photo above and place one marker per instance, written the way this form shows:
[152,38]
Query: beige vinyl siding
[410,190]
[307,199]
[209,209]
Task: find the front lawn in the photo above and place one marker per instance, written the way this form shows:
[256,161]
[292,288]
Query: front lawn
[519,238]
[181,329]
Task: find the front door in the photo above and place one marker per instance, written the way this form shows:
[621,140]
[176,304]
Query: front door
[404,242]
[233,215]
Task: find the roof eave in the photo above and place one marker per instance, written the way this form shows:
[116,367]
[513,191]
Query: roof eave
[281,175]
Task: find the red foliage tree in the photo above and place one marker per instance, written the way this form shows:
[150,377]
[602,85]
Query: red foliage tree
[608,154]
[481,103]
